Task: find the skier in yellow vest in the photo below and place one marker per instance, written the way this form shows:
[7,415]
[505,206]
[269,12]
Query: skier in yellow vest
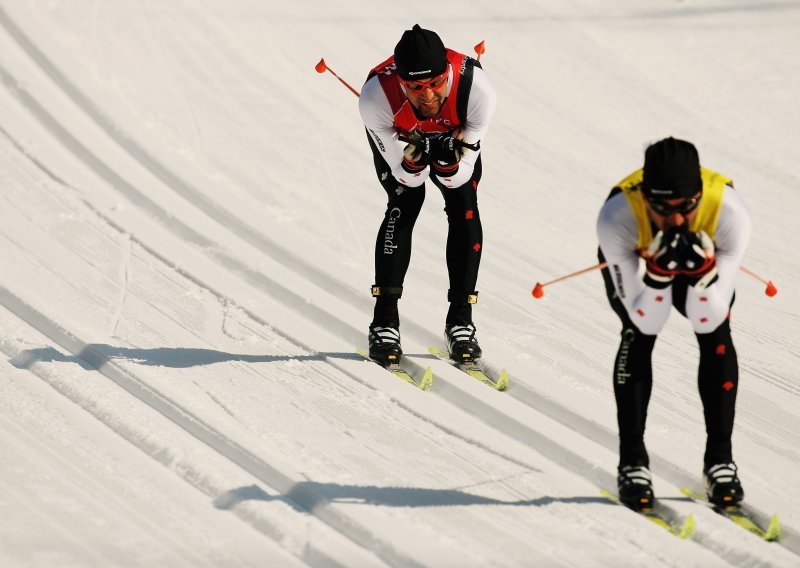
[673,234]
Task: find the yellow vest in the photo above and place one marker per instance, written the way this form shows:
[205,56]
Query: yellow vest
[707,212]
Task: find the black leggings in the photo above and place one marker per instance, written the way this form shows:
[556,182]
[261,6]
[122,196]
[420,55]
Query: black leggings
[464,237]
[717,380]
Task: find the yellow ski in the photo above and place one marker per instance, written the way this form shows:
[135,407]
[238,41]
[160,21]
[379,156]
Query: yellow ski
[474,370]
[681,530]
[425,382]
[740,516]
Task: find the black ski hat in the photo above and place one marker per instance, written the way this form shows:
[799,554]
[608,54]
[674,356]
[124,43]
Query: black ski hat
[420,54]
[671,170]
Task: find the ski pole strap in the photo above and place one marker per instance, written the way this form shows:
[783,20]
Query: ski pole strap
[387,291]
[461,144]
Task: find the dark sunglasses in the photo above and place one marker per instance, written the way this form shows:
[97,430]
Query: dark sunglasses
[684,207]
[433,83]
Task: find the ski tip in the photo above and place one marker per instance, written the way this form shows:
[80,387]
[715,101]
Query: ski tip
[427,380]
[773,531]
[502,381]
[688,528]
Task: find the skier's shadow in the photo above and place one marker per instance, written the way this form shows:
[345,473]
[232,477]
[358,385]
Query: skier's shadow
[95,355]
[306,496]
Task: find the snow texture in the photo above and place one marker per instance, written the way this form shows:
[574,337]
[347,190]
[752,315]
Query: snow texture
[186,239]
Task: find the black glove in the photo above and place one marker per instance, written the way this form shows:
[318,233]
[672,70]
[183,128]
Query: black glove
[697,258]
[446,152]
[417,153]
[663,259]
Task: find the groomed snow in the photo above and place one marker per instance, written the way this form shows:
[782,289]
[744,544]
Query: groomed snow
[186,240]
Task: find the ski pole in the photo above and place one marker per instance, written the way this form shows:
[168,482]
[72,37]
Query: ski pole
[771,289]
[538,290]
[321,67]
[480,49]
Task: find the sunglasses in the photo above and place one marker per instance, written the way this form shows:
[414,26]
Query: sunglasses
[684,207]
[433,83]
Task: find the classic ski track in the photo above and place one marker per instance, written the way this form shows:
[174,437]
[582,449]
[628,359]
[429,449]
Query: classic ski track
[170,179]
[305,498]
[497,417]
[604,437]
[63,338]
[487,413]
[452,394]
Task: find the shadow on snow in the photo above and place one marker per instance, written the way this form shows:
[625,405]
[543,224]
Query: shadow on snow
[308,495]
[95,355]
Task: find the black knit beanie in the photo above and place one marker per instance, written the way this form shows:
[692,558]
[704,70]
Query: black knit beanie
[420,54]
[671,170]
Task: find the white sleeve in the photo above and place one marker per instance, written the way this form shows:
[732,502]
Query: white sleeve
[379,120]
[480,110]
[708,308]
[648,308]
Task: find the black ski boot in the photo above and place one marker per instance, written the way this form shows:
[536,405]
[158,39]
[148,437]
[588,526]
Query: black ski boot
[461,343]
[384,344]
[635,485]
[722,485]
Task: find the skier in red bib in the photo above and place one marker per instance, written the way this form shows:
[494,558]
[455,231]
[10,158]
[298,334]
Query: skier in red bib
[673,234]
[440,102]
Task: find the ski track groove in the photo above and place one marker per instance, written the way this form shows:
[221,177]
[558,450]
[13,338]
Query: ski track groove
[493,417]
[275,290]
[158,169]
[487,413]
[303,497]
[99,361]
[311,555]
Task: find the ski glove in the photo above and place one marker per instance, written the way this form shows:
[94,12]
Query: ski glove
[446,153]
[417,153]
[697,259]
[662,260]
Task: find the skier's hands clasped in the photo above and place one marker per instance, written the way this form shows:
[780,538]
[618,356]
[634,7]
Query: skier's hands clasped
[440,151]
[679,251]
[698,258]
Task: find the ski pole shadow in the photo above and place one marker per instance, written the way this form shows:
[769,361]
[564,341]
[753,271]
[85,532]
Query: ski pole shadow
[95,355]
[306,496]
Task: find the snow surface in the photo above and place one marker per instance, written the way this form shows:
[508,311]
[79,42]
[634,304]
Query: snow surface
[186,241]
